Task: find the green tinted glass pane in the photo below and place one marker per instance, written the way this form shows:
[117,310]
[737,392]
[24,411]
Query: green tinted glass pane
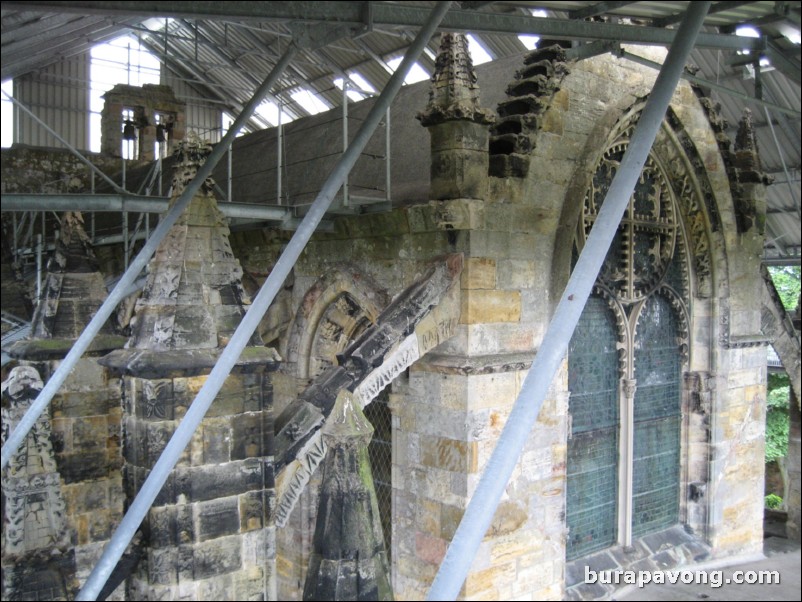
[591,491]
[674,276]
[657,419]
[593,369]
[592,463]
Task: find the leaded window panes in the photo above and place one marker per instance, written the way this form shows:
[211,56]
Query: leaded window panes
[592,466]
[655,489]
[627,353]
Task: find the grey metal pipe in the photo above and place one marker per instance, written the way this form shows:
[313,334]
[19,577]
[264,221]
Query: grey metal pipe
[69,146]
[39,251]
[279,154]
[387,160]
[127,203]
[183,434]
[517,429]
[708,84]
[782,156]
[345,137]
[16,438]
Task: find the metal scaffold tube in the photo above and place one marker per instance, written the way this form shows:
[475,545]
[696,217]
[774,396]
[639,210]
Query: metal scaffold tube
[197,410]
[16,438]
[69,146]
[482,506]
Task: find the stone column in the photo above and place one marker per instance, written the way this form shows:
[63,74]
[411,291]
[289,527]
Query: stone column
[457,124]
[210,534]
[349,559]
[38,558]
[697,449]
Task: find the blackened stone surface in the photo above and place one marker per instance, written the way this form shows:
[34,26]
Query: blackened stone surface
[349,560]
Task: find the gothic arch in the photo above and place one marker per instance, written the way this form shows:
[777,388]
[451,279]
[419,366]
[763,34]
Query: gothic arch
[332,313]
[335,310]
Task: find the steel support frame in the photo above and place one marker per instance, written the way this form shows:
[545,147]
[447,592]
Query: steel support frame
[16,438]
[228,358]
[128,203]
[392,14]
[69,146]
[551,353]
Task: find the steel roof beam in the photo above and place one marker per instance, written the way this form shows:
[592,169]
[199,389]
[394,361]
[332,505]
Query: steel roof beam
[131,203]
[596,9]
[388,14]
[716,8]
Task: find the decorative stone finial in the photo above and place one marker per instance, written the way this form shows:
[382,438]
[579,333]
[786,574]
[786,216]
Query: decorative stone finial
[73,291]
[190,154]
[454,94]
[457,125]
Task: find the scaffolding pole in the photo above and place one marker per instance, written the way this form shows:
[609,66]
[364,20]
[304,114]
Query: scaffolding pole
[517,429]
[69,146]
[183,434]
[16,438]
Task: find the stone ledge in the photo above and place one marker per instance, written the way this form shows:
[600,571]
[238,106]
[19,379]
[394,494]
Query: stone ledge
[48,349]
[470,365]
[186,362]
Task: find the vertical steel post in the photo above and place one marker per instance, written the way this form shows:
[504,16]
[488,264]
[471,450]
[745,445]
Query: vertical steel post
[38,269]
[230,164]
[16,438]
[214,382]
[387,162]
[345,137]
[279,153]
[125,240]
[68,146]
[517,429]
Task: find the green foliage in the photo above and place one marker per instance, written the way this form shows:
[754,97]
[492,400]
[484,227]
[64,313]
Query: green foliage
[777,380]
[787,282]
[776,434]
[773,501]
[778,398]
[778,390]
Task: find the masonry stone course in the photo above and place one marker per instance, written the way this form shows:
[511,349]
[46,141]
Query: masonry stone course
[246,511]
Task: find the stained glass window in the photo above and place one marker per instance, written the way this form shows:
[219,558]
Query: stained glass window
[592,466]
[644,256]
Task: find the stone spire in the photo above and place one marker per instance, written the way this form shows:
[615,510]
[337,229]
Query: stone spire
[457,124]
[194,297]
[349,560]
[454,93]
[74,287]
[210,534]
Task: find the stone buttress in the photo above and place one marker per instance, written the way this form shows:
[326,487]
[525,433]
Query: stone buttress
[210,533]
[86,411]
